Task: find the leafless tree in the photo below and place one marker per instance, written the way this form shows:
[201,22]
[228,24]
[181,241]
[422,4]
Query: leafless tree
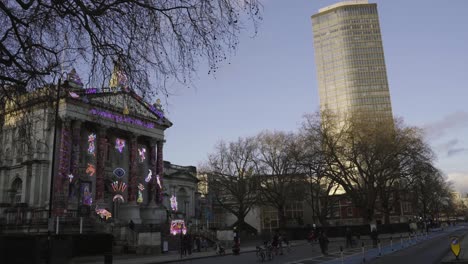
[321,194]
[279,173]
[152,41]
[369,158]
[230,180]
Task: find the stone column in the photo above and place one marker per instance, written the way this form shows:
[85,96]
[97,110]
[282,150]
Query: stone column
[64,156]
[152,185]
[100,162]
[160,172]
[76,150]
[133,170]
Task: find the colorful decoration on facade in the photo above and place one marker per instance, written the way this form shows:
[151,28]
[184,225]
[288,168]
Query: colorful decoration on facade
[119,172]
[73,95]
[119,144]
[140,193]
[119,186]
[91,144]
[148,178]
[103,213]
[87,196]
[91,169]
[158,181]
[173,203]
[70,177]
[118,197]
[178,226]
[125,110]
[141,154]
[140,197]
[121,119]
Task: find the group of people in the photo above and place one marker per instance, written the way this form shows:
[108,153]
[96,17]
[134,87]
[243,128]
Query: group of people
[188,244]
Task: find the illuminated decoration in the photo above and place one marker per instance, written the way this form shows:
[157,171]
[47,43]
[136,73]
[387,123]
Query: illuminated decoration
[87,196]
[148,178]
[85,99]
[119,144]
[173,203]
[91,144]
[74,95]
[158,181]
[141,153]
[140,197]
[103,213]
[121,119]
[90,170]
[119,172]
[91,91]
[119,186]
[178,226]
[70,177]
[118,197]
[140,193]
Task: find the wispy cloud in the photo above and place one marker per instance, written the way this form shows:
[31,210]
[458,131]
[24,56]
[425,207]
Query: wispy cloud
[450,148]
[439,128]
[455,151]
[459,180]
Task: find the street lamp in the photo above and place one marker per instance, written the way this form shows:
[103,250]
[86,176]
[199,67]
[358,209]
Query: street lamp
[54,143]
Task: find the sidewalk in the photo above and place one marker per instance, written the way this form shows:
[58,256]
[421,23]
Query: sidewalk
[168,257]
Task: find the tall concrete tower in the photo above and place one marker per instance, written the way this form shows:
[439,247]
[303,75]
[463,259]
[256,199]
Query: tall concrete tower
[350,60]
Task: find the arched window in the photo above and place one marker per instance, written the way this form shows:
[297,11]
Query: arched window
[16,190]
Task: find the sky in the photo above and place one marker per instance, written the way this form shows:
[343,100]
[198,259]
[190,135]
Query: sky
[270,82]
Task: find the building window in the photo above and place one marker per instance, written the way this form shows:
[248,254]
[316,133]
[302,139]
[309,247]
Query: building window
[270,219]
[16,191]
[406,207]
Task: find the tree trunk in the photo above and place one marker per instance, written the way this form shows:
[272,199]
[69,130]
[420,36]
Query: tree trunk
[281,217]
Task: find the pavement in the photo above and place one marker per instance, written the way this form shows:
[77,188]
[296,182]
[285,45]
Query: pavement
[389,244]
[172,256]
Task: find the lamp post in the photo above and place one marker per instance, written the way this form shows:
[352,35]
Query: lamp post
[54,146]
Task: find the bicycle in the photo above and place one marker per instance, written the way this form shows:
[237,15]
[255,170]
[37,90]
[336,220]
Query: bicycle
[261,254]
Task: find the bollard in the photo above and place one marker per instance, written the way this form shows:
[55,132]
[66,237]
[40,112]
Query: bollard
[380,248]
[363,254]
[341,251]
[391,243]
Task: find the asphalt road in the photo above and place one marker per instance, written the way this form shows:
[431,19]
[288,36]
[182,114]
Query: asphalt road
[430,251]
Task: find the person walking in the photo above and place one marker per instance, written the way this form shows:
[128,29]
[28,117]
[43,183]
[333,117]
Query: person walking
[374,237]
[323,242]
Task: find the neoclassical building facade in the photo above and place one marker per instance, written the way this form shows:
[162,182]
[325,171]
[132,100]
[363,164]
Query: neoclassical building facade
[108,158]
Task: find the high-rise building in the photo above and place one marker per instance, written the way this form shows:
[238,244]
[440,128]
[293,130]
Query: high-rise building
[350,60]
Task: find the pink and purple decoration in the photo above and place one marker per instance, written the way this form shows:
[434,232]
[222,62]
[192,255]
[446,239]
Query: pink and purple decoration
[91,169]
[141,154]
[178,226]
[118,197]
[91,144]
[119,144]
[173,200]
[148,178]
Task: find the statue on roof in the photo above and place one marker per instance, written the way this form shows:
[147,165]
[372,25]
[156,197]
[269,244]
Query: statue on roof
[118,78]
[74,80]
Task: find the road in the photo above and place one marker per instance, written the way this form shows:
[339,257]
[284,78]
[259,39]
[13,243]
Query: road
[421,250]
[431,251]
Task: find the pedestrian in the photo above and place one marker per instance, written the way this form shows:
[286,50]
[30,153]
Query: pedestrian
[374,237]
[198,243]
[323,242]
[349,237]
[204,244]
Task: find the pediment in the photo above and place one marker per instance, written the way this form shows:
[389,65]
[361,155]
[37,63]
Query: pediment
[126,103]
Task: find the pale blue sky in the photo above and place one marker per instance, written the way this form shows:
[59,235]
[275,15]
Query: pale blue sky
[271,82]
